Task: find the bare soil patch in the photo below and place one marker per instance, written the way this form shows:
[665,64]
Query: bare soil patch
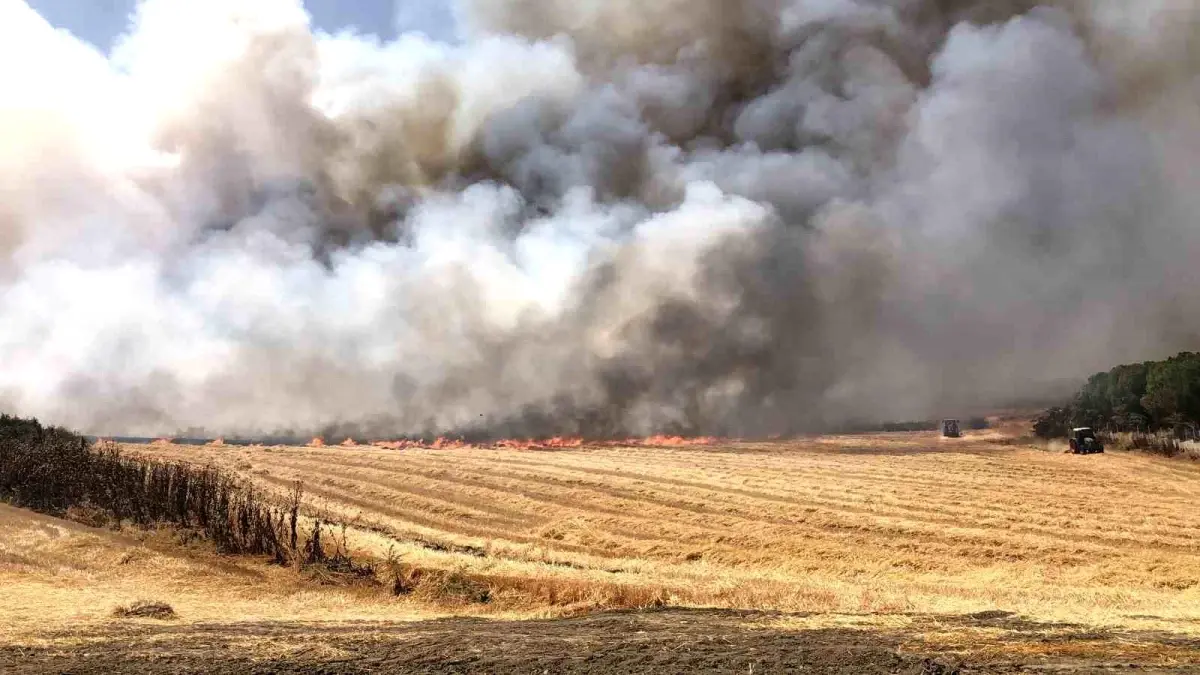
[665,641]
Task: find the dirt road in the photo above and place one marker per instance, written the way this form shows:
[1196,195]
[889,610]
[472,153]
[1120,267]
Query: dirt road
[665,641]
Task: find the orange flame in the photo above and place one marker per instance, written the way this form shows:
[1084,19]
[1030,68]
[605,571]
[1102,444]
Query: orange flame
[676,441]
[317,443]
[220,442]
[556,443]
[349,443]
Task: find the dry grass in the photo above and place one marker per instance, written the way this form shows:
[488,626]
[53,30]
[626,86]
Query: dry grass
[1162,443]
[62,578]
[887,532]
[878,524]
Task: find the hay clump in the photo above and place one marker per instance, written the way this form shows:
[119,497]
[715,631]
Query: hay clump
[145,609]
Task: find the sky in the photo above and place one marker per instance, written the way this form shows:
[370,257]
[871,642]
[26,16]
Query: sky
[102,21]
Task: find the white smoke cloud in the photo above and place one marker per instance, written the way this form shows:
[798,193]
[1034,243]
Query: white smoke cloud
[598,218]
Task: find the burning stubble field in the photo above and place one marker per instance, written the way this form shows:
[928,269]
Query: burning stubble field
[858,548]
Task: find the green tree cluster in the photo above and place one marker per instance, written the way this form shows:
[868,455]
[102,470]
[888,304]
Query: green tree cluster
[1142,396]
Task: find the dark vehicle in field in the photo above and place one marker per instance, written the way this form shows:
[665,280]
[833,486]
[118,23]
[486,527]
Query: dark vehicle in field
[1083,441]
[951,429]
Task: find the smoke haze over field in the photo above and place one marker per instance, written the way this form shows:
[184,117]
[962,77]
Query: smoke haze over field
[730,217]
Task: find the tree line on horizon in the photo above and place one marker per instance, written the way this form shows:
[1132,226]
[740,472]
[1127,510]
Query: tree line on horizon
[1148,396]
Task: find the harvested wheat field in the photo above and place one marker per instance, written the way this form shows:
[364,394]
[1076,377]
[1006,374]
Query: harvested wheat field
[899,545]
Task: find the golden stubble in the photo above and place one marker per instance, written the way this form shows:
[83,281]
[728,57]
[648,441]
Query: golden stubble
[863,530]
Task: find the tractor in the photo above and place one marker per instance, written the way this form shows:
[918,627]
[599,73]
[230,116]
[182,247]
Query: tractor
[1083,441]
[950,429]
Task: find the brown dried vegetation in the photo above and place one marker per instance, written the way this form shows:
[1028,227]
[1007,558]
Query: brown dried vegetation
[983,547]
[869,523]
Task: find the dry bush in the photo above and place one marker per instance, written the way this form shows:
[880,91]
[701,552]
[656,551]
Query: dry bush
[57,472]
[89,515]
[438,586]
[1161,443]
[463,586]
[584,595]
[452,587]
[327,561]
[145,609]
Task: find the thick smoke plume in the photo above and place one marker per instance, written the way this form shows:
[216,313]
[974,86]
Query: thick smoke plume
[729,217]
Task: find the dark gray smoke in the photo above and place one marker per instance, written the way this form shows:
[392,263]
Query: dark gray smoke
[736,217]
